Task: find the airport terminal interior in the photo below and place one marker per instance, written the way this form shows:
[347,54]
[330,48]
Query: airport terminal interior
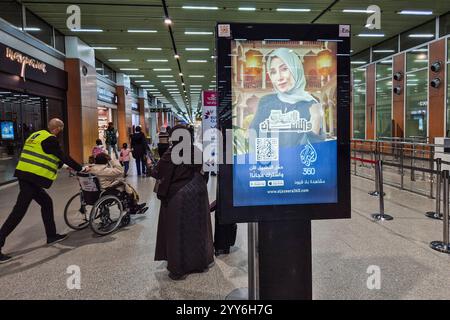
[343,105]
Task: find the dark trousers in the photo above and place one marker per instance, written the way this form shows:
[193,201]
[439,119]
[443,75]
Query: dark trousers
[126,165]
[29,192]
[141,161]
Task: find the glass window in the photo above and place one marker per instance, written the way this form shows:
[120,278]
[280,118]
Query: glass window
[384,108]
[359,103]
[11,11]
[60,44]
[361,58]
[444,25]
[39,28]
[416,104]
[417,59]
[385,49]
[419,35]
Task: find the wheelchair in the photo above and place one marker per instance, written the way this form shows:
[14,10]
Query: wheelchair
[104,211]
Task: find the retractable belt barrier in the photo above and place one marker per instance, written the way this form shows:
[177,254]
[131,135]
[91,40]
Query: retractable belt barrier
[379,188]
[444,245]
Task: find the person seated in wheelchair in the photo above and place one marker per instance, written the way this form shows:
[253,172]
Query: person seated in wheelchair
[110,175]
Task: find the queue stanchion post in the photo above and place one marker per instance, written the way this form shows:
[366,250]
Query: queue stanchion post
[381,215]
[437,214]
[444,245]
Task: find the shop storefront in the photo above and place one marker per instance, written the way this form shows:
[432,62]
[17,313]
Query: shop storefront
[135,121]
[31,93]
[107,107]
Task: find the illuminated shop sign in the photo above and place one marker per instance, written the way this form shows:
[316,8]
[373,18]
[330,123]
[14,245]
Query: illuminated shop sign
[25,61]
[106,96]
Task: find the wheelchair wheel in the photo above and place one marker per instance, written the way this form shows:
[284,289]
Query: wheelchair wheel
[76,213]
[106,215]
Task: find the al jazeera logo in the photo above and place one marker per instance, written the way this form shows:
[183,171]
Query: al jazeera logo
[308,156]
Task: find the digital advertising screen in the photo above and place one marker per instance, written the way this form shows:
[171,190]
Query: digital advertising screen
[284,95]
[7,130]
[284,122]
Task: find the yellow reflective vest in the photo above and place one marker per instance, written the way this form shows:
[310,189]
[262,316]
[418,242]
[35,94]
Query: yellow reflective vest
[33,158]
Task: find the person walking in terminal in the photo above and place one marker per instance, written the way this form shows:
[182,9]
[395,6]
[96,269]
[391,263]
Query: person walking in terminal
[139,150]
[110,136]
[184,236]
[290,104]
[36,170]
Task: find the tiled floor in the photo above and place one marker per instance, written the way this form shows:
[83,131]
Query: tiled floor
[121,266]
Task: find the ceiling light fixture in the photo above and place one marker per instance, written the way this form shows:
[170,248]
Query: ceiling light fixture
[200,8]
[168,21]
[119,60]
[157,60]
[141,31]
[293,10]
[383,51]
[197,61]
[416,12]
[198,33]
[164,76]
[86,30]
[196,76]
[129,69]
[358,62]
[142,81]
[104,48]
[197,49]
[136,76]
[247,9]
[168,81]
[177,56]
[149,49]
[357,11]
[371,35]
[423,35]
[163,69]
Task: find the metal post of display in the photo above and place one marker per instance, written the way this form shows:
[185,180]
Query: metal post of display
[444,246]
[377,191]
[437,214]
[381,216]
[252,292]
[402,168]
[413,154]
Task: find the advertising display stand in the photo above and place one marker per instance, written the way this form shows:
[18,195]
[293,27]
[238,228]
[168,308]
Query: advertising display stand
[284,155]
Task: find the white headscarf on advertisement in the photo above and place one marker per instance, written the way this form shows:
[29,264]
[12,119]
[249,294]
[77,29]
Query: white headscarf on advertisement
[292,61]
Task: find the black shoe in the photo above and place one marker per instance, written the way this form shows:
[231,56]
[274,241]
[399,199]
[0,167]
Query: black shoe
[4,258]
[177,277]
[57,238]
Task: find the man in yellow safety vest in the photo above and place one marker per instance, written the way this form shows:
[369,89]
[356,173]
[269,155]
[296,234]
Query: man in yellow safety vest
[36,170]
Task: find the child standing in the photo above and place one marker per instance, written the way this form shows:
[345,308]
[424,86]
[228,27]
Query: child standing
[125,158]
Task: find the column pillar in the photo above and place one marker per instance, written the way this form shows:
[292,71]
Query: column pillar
[436,108]
[398,106]
[82,112]
[123,108]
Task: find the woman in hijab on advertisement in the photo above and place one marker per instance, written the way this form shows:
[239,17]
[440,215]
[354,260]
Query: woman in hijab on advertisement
[290,158]
[291,112]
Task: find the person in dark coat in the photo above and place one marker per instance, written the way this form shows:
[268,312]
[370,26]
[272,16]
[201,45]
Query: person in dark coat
[184,236]
[139,150]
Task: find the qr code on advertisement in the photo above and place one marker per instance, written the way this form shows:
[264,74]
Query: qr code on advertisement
[266,149]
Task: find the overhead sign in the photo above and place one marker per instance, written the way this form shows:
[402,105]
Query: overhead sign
[209,130]
[160,110]
[25,61]
[106,95]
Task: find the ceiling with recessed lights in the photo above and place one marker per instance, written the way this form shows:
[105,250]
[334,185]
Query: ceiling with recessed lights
[133,37]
